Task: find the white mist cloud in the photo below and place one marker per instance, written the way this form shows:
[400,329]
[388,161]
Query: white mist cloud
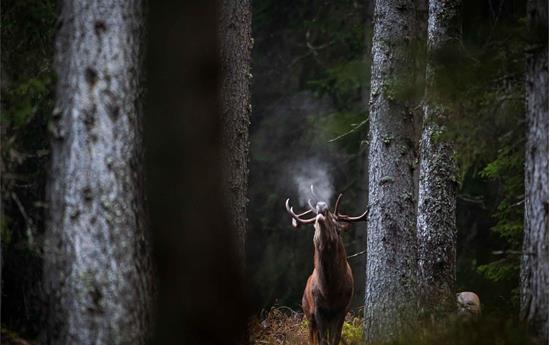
[312,172]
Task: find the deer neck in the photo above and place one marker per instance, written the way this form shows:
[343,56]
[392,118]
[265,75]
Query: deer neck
[330,259]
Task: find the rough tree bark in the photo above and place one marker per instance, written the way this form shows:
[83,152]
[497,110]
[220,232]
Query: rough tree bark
[390,297]
[436,217]
[534,265]
[358,264]
[235,47]
[97,267]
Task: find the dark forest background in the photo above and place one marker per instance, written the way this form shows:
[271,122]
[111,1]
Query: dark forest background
[309,71]
[309,75]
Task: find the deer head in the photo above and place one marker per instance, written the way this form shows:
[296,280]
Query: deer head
[322,213]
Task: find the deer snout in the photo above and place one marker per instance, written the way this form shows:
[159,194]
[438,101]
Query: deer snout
[321,207]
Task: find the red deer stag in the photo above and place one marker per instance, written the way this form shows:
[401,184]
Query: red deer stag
[329,289]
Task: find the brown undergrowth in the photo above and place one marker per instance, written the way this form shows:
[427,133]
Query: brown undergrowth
[284,326]
[8,337]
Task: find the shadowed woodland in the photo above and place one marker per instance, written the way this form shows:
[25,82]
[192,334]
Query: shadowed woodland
[148,149]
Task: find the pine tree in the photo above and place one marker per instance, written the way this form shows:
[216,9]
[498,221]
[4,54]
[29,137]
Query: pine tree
[436,217]
[236,46]
[97,266]
[390,297]
[534,265]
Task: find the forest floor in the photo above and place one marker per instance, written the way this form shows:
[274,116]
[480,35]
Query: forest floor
[8,337]
[284,326]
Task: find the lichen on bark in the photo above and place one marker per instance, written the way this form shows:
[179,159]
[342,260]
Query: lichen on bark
[436,216]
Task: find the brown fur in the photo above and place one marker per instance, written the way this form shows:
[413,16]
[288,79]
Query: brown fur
[329,289]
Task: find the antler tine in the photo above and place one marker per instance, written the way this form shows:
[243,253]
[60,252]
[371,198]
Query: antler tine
[311,206]
[346,218]
[296,220]
[337,205]
[303,213]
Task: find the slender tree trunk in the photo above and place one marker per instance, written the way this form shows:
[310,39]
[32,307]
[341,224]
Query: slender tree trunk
[436,218]
[534,265]
[236,45]
[390,298]
[97,267]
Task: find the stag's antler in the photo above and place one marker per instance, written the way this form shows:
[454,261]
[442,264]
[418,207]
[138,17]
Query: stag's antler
[311,206]
[296,220]
[346,218]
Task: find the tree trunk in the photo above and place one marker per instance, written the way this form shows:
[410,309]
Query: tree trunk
[202,295]
[390,297]
[436,218]
[235,47]
[534,265]
[97,267]
[358,264]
